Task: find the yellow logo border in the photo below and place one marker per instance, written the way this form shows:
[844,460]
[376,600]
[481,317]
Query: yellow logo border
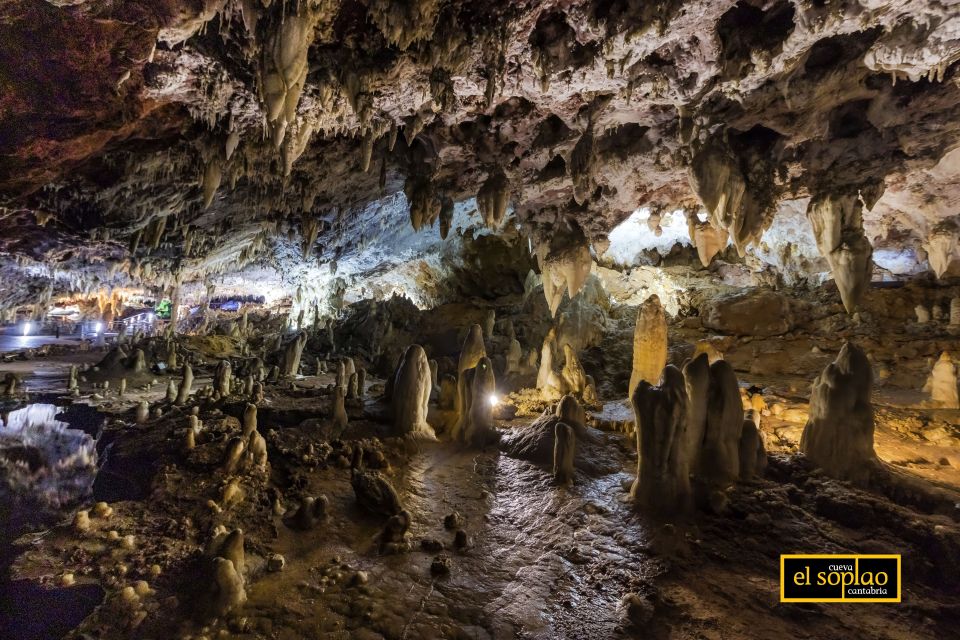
[855,556]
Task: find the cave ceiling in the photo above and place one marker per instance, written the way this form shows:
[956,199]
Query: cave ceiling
[164,143]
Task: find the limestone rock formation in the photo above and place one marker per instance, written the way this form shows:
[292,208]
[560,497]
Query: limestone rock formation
[756,312]
[838,437]
[565,442]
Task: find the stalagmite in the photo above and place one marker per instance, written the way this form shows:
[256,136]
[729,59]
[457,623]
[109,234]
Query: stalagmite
[838,228]
[138,362]
[171,395]
[249,420]
[719,459]
[448,393]
[143,412]
[838,436]
[955,312]
[72,381]
[563,451]
[233,455]
[696,375]
[185,385]
[221,378]
[292,354]
[411,395]
[228,590]
[573,375]
[942,383]
[361,383]
[122,387]
[649,343]
[571,412]
[339,411]
[352,385]
[923,314]
[549,383]
[513,357]
[257,450]
[478,429]
[472,352]
[663,478]
[752,453]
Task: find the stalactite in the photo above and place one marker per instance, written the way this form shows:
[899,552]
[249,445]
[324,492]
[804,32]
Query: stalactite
[838,228]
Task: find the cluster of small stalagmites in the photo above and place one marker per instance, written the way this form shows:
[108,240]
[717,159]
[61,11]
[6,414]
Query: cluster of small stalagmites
[128,602]
[226,566]
[572,378]
[376,494]
[937,313]
[838,436]
[309,513]
[247,451]
[692,427]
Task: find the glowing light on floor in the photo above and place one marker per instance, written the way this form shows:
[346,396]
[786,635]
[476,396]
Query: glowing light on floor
[493,400]
[26,328]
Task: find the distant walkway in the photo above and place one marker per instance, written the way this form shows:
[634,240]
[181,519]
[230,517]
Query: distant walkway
[16,343]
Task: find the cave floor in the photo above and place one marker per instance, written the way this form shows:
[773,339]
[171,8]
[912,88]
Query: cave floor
[542,562]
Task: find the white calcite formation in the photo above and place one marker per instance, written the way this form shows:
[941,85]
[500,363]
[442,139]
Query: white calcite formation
[942,383]
[411,395]
[838,436]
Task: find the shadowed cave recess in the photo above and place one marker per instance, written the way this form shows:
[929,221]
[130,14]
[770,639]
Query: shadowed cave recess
[396,319]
